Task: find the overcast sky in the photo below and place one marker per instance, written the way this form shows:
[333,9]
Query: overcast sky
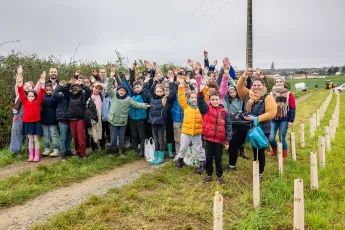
[292,33]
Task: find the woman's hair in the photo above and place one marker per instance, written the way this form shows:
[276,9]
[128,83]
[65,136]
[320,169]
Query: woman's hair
[32,91]
[165,97]
[212,84]
[31,83]
[260,80]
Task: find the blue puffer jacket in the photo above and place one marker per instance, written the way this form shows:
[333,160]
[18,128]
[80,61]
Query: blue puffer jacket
[48,111]
[176,111]
[61,95]
[137,114]
[158,114]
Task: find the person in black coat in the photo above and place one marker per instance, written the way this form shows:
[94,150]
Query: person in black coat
[49,122]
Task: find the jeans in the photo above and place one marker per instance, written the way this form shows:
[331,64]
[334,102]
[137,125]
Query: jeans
[16,132]
[65,138]
[114,132]
[158,136]
[50,132]
[283,128]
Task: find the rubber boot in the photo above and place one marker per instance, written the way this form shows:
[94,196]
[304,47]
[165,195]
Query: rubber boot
[285,154]
[201,167]
[179,163]
[142,149]
[155,158]
[160,159]
[37,155]
[31,154]
[170,147]
[273,153]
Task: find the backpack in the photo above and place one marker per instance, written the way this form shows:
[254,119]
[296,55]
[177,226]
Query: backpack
[256,136]
[91,116]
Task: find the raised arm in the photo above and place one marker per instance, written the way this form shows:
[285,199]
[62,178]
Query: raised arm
[243,92]
[206,62]
[138,105]
[202,105]
[224,86]
[182,100]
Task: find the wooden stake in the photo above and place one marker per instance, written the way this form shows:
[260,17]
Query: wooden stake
[322,152]
[280,158]
[298,215]
[314,180]
[318,117]
[311,127]
[328,139]
[302,135]
[218,212]
[293,146]
[331,129]
[256,185]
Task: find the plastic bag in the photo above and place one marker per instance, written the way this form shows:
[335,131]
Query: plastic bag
[190,157]
[149,149]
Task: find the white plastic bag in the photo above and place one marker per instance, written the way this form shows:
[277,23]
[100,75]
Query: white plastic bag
[149,149]
[190,157]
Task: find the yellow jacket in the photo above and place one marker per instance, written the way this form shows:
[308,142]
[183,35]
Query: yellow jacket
[192,119]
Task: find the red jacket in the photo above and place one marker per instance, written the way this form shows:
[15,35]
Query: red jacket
[32,110]
[216,122]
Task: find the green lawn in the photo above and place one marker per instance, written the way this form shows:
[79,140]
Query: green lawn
[311,82]
[177,199]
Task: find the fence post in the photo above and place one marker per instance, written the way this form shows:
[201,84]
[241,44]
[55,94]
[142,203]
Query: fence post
[218,212]
[298,215]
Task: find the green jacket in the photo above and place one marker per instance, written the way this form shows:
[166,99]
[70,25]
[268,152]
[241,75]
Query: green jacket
[119,108]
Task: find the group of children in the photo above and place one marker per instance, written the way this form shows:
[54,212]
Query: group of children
[186,107]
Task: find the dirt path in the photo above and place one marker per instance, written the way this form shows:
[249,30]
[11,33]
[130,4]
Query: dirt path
[16,168]
[304,97]
[59,200]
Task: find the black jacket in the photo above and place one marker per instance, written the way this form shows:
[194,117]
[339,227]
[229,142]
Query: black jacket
[76,108]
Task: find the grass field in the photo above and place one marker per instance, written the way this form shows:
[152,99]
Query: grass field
[311,82]
[177,199]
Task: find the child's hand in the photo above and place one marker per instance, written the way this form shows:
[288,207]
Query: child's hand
[43,78]
[127,76]
[154,65]
[112,70]
[201,89]
[215,63]
[147,78]
[94,72]
[191,63]
[147,106]
[205,54]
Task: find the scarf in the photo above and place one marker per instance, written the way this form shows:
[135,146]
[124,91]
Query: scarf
[121,97]
[254,98]
[192,105]
[281,96]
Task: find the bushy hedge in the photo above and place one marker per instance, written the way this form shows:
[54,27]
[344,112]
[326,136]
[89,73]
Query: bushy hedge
[33,66]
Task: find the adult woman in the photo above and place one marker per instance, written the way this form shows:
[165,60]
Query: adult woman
[286,110]
[257,103]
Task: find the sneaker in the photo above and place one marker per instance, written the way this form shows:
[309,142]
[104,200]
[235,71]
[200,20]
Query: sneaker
[207,179]
[230,167]
[55,153]
[261,177]
[221,180]
[46,152]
